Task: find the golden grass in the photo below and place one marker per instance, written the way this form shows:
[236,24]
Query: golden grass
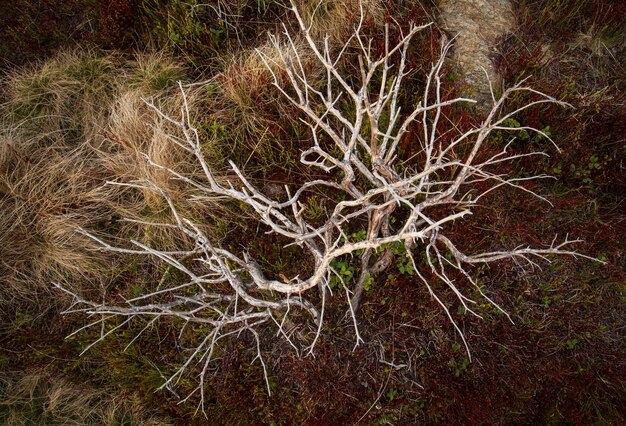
[337,18]
[62,97]
[154,72]
[245,102]
[46,197]
[69,125]
[137,131]
[245,86]
[41,400]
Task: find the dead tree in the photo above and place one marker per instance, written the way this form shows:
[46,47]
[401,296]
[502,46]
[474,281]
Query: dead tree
[356,124]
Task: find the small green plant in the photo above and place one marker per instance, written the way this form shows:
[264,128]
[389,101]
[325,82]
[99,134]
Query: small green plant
[588,171]
[521,133]
[403,263]
[314,209]
[391,394]
[571,343]
[461,367]
[368,282]
[342,273]
[358,236]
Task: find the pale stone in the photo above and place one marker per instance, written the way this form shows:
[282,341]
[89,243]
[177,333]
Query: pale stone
[477,25]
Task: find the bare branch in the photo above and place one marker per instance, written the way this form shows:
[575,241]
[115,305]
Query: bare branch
[356,142]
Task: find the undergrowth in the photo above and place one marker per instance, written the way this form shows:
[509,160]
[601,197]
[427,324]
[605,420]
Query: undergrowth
[78,119]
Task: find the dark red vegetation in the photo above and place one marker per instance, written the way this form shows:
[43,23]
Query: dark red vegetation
[33,30]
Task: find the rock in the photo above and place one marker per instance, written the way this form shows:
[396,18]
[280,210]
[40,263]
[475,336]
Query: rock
[477,25]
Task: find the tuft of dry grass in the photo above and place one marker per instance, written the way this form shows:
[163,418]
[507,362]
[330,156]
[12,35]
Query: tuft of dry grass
[41,400]
[46,196]
[137,132]
[245,94]
[337,18]
[155,71]
[64,97]
[244,100]
[245,87]
[70,125]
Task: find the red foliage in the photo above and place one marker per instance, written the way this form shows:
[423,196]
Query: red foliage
[117,19]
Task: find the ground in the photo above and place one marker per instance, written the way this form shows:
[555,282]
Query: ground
[561,360]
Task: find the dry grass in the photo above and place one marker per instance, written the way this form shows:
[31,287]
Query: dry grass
[41,400]
[249,120]
[337,18]
[46,195]
[70,125]
[62,97]
[245,92]
[137,131]
[155,71]
[243,84]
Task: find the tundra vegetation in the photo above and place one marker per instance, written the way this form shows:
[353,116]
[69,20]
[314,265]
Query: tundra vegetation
[291,213]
